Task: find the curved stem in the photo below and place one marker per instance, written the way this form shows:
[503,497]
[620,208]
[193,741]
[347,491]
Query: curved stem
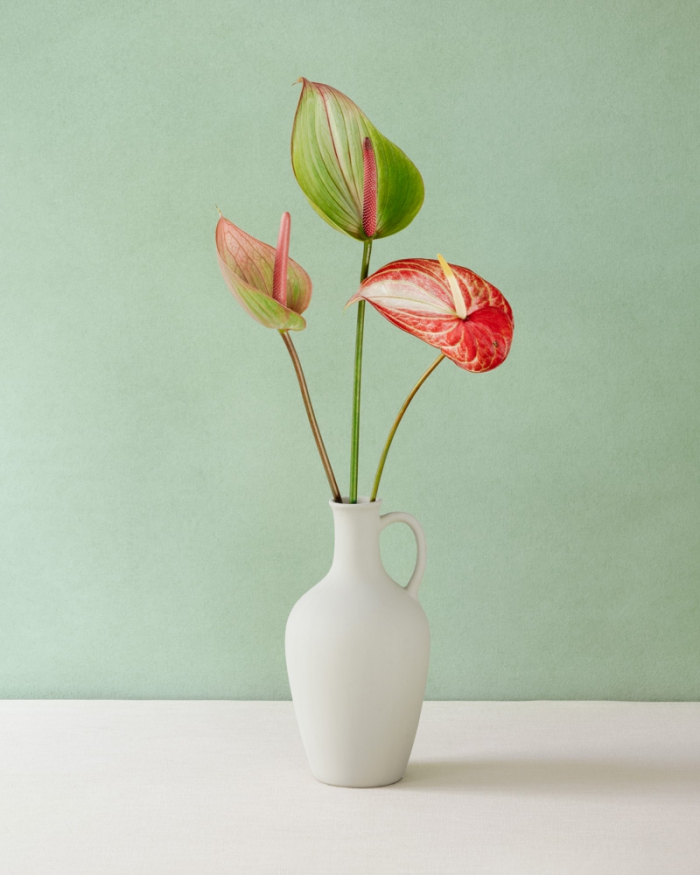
[312,416]
[385,452]
[357,386]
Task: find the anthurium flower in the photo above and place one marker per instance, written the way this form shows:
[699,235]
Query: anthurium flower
[447,306]
[273,289]
[356,179]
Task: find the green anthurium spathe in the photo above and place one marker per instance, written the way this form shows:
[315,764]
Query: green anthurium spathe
[348,170]
[271,287]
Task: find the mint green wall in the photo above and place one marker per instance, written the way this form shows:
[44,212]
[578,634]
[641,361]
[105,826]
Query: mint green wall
[161,504]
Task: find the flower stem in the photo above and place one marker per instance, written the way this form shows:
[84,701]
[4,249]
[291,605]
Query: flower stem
[404,408]
[312,416]
[355,440]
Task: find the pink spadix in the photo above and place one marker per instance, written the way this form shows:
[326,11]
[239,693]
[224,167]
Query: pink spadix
[279,275]
[369,200]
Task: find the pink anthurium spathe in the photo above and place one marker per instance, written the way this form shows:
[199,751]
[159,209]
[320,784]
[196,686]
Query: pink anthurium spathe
[273,289]
[448,306]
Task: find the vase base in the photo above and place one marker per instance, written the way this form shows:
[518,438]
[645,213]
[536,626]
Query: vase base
[348,785]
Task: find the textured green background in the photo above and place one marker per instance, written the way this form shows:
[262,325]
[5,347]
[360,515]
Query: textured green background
[162,506]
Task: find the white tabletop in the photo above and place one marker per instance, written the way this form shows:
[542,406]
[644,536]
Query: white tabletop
[202,788]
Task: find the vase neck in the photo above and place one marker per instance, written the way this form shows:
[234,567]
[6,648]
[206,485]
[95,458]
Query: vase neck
[357,528]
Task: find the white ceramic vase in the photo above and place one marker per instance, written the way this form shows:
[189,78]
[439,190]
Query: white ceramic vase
[357,648]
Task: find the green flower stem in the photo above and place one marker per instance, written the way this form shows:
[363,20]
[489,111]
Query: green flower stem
[385,452]
[355,440]
[312,416]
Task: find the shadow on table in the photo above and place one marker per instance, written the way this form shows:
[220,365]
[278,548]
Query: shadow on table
[546,776]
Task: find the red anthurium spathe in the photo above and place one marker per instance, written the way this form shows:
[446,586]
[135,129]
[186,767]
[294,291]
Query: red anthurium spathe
[273,289]
[448,306]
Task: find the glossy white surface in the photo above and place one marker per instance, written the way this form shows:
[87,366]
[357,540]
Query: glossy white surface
[221,788]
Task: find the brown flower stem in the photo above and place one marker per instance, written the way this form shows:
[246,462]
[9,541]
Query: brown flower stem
[404,408]
[288,342]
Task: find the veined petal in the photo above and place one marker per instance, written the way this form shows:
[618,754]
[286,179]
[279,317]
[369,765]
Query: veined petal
[247,265]
[415,295]
[262,307]
[329,164]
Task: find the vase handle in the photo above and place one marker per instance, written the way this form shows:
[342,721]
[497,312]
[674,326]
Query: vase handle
[398,517]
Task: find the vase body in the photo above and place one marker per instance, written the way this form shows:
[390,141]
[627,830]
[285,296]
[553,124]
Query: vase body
[357,648]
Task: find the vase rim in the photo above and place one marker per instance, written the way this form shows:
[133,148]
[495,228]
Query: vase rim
[363,503]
